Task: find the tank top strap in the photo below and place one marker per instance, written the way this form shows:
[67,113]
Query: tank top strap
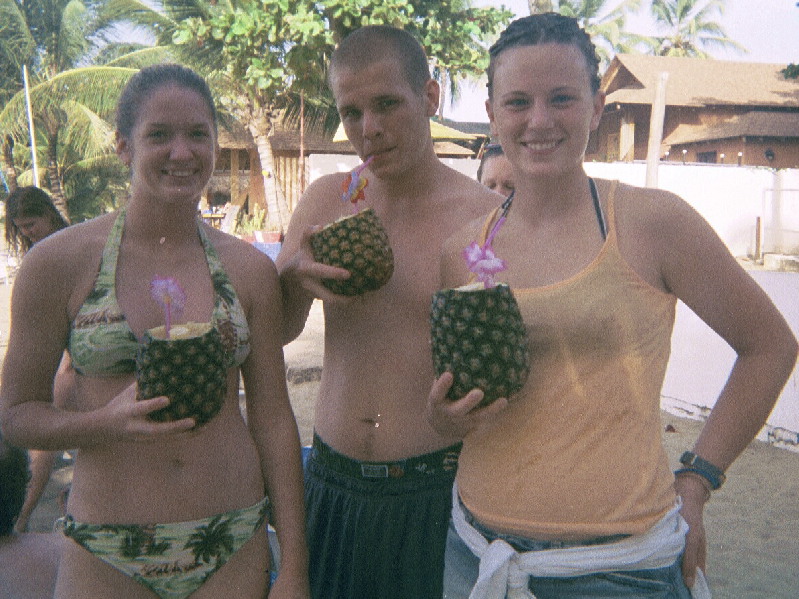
[611,203]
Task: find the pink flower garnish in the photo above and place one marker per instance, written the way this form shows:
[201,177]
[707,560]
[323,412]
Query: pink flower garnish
[482,261]
[168,294]
[354,184]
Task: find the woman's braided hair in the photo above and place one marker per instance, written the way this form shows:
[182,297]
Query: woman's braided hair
[545,28]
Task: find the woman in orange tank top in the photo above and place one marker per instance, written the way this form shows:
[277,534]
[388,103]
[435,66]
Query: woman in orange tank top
[570,471]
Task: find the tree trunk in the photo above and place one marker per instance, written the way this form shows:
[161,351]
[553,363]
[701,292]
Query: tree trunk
[277,216]
[8,163]
[56,189]
[444,85]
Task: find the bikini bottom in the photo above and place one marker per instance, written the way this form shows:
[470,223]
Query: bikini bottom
[172,560]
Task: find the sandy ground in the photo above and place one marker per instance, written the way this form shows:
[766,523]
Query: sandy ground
[752,522]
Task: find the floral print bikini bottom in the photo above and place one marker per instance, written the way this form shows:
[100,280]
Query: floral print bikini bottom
[172,560]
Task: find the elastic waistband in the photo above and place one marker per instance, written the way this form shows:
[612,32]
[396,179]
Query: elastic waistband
[430,464]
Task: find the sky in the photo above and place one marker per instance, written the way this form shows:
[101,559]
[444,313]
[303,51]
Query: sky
[768,29]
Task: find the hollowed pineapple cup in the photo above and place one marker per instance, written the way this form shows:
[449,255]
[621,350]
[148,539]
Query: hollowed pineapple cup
[188,368]
[478,335]
[358,243]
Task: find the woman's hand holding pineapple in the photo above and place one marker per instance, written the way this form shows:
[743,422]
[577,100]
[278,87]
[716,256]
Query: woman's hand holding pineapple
[124,418]
[458,418]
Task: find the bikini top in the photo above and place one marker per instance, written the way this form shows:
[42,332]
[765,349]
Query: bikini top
[101,343]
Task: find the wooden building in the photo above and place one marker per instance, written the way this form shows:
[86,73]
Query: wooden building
[716,111]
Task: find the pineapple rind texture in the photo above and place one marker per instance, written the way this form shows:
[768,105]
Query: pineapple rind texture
[190,371]
[360,244]
[480,337]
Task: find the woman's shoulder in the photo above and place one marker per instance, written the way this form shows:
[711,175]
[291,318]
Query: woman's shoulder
[73,244]
[644,206]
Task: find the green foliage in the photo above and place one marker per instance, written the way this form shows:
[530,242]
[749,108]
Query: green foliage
[71,102]
[791,71]
[275,47]
[247,224]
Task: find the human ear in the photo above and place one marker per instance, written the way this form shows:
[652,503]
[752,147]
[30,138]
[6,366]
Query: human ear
[599,107]
[490,113]
[123,149]
[432,92]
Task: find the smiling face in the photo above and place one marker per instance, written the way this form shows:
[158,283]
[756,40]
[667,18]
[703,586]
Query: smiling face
[543,108]
[171,149]
[384,116]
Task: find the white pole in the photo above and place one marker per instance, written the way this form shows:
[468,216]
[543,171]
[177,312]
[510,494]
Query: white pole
[656,130]
[30,125]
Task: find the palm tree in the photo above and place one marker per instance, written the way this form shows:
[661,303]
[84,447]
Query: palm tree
[690,27]
[70,101]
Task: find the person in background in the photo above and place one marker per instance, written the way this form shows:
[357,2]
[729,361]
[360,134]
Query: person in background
[160,508]
[495,171]
[28,561]
[379,478]
[564,490]
[30,217]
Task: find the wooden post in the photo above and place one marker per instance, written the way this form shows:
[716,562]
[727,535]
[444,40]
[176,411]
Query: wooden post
[758,240]
[656,130]
[234,177]
[302,144]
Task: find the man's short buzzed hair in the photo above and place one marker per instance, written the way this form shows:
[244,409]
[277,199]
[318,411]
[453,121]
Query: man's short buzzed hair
[373,43]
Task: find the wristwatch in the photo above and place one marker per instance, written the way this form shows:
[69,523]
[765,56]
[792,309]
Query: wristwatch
[693,463]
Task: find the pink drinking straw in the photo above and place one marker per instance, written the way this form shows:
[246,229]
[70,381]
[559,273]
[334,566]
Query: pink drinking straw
[168,294]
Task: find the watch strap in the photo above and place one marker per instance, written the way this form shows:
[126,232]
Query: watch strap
[693,463]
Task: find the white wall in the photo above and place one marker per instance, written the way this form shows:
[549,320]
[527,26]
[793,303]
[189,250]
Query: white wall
[730,198]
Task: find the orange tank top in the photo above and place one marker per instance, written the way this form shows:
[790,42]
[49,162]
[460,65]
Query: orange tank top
[578,452]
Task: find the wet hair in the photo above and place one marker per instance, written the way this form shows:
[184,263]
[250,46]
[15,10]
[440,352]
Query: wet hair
[14,477]
[29,202]
[142,85]
[547,28]
[374,43]
[489,152]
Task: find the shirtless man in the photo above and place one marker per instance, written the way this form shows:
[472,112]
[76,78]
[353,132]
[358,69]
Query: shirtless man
[378,482]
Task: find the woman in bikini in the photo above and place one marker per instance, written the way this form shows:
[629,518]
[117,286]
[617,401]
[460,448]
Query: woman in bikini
[564,490]
[175,508]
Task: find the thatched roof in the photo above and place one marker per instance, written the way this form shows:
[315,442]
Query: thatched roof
[631,79]
[751,124]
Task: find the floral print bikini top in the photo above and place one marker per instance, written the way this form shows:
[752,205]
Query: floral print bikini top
[101,343]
